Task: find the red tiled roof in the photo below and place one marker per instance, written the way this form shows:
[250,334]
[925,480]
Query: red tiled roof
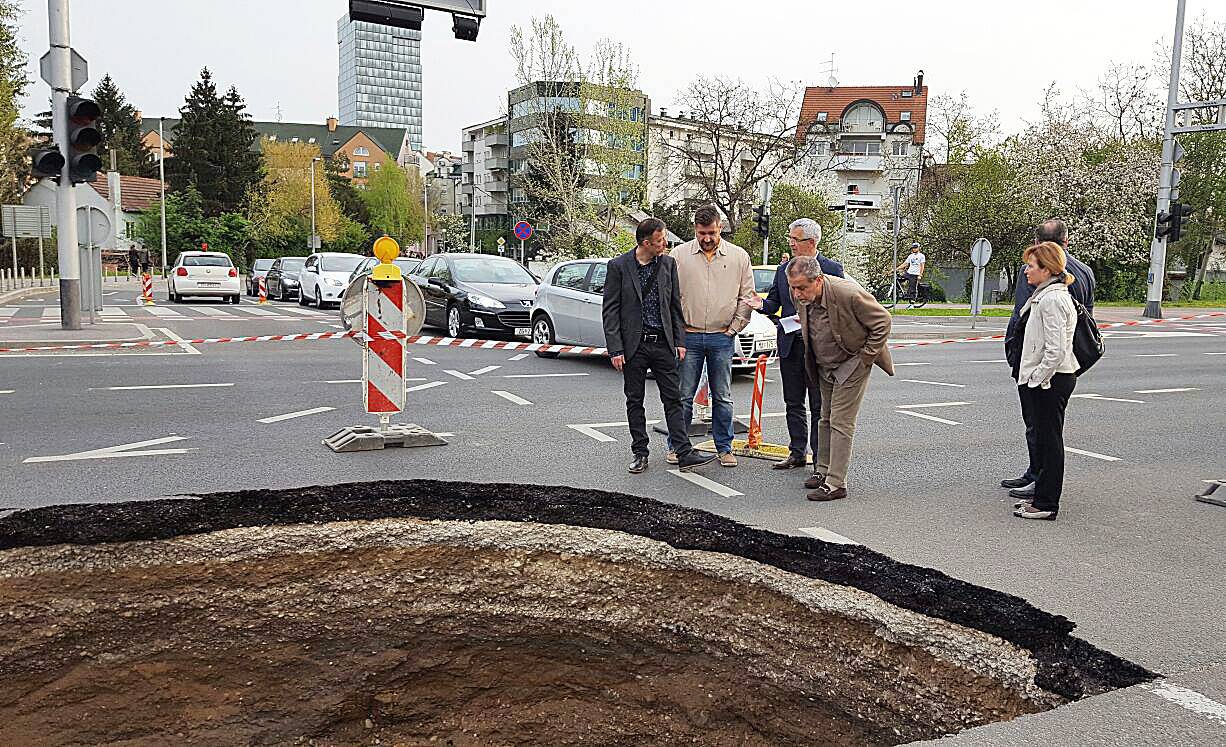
[835,101]
[135,192]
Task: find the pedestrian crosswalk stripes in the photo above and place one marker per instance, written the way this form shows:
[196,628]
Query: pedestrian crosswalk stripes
[11,315]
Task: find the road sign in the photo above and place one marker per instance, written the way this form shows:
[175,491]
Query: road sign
[981,252]
[314,242]
[93,226]
[502,245]
[26,221]
[80,70]
[523,230]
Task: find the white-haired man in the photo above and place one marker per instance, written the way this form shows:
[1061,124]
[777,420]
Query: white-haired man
[804,234]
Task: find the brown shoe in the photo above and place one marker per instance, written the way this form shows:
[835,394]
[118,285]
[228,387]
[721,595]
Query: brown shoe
[727,459]
[671,457]
[815,480]
[827,493]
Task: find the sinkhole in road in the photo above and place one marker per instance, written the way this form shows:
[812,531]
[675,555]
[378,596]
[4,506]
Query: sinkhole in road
[411,611]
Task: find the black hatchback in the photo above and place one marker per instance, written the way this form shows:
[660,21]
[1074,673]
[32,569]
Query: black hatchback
[478,293]
[281,281]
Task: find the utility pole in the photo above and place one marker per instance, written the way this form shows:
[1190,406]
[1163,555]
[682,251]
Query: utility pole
[1157,248]
[312,239]
[65,197]
[896,190]
[162,179]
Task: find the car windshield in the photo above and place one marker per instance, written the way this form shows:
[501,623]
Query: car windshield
[292,265]
[338,264]
[407,264]
[262,264]
[480,270]
[206,260]
[762,279]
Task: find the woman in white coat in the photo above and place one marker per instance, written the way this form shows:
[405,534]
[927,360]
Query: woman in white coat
[1047,374]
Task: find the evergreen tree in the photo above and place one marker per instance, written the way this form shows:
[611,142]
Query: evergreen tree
[14,161]
[213,147]
[121,132]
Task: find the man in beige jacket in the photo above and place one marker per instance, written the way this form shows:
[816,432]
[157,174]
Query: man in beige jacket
[845,332]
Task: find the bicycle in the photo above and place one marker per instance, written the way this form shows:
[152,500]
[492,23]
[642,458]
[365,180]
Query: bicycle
[884,293]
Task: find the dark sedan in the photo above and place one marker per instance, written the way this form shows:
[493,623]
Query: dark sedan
[476,292]
[282,279]
[407,265]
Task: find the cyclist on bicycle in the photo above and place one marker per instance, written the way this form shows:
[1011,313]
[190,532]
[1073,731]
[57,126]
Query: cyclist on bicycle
[914,264]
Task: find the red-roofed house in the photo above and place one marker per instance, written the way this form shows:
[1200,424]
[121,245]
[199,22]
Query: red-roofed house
[135,194]
[870,137]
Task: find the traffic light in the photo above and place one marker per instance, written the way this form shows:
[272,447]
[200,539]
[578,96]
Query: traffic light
[387,13]
[762,220]
[84,137]
[47,161]
[1170,224]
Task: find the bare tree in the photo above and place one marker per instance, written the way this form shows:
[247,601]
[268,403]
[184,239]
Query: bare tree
[1128,102]
[738,137]
[956,131]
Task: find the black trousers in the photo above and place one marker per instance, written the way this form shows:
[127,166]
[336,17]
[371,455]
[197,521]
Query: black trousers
[802,430]
[662,360]
[913,287]
[1044,411]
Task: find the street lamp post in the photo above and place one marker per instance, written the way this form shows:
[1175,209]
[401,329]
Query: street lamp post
[896,190]
[312,239]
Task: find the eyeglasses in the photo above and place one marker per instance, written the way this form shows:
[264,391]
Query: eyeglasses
[797,241]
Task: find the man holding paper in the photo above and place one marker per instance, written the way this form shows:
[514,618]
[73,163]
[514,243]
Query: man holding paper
[803,237]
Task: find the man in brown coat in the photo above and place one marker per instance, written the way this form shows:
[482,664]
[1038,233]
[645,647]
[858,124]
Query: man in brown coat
[845,332]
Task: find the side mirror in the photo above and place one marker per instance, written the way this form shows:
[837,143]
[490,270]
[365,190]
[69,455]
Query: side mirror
[438,282]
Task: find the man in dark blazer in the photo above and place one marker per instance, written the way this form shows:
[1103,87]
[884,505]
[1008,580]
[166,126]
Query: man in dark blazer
[1082,289]
[644,329]
[803,237]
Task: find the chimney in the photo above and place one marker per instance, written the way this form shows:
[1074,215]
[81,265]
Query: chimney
[331,124]
[663,112]
[919,83]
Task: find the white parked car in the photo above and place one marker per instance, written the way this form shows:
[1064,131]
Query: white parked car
[324,277]
[204,274]
[567,311]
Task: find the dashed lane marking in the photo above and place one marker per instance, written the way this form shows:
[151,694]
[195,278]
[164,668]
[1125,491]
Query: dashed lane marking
[1189,699]
[933,418]
[116,452]
[343,381]
[591,432]
[485,370]
[1218,353]
[425,361]
[211,311]
[427,385]
[459,375]
[896,365]
[1167,391]
[934,383]
[6,391]
[512,398]
[519,357]
[1101,398]
[1091,454]
[706,484]
[292,415]
[542,376]
[163,386]
[932,404]
[1155,355]
[163,311]
[998,360]
[825,535]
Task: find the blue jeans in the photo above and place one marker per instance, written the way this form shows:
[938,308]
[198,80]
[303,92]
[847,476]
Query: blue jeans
[715,350]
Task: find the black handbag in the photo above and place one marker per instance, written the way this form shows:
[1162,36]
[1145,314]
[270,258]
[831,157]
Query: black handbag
[1088,345]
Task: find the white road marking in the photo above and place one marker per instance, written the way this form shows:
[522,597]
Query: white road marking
[1168,391]
[164,386]
[896,365]
[8,311]
[190,350]
[934,383]
[591,432]
[933,418]
[1189,699]
[932,404]
[162,311]
[425,361]
[1221,353]
[1103,457]
[292,415]
[343,381]
[458,375]
[512,398]
[542,376]
[485,370]
[826,535]
[1101,398]
[998,360]
[1156,355]
[429,385]
[53,312]
[444,435]
[706,483]
[254,310]
[116,452]
[296,310]
[114,312]
[6,391]
[519,357]
[212,311]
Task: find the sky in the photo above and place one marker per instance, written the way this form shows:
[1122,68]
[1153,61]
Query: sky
[282,54]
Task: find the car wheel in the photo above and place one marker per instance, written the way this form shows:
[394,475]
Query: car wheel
[542,334]
[174,297]
[319,299]
[454,329]
[302,299]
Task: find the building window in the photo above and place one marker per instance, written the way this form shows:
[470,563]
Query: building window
[359,169]
[900,148]
[361,151]
[861,148]
[822,116]
[863,117]
[853,189]
[819,148]
[906,116]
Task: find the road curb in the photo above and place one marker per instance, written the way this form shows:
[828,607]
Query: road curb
[20,293]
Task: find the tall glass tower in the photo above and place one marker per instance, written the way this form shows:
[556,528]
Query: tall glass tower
[380,76]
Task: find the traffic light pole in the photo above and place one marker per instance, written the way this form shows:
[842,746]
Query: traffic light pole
[65,197]
[1157,249]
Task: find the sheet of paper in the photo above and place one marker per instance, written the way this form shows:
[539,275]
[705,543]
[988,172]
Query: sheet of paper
[790,323]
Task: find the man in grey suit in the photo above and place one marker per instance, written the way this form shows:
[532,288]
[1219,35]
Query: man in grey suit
[644,328]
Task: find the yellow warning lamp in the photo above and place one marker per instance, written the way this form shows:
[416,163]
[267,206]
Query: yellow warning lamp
[386,249]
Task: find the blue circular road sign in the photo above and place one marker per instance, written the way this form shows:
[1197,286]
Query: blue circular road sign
[523,230]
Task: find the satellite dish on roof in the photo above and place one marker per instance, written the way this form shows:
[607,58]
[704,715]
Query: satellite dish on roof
[832,81]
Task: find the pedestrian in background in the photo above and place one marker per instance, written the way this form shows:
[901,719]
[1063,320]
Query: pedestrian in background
[717,299]
[1054,230]
[1047,373]
[644,329]
[914,264]
[133,261]
[845,331]
[804,235]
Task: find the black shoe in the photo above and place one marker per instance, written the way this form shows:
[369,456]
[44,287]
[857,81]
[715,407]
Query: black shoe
[694,458]
[815,481]
[638,465]
[1019,482]
[793,461]
[1026,492]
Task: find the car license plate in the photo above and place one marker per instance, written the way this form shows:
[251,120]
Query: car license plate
[523,331]
[205,282]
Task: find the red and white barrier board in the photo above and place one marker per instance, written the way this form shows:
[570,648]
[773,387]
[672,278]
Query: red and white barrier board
[384,355]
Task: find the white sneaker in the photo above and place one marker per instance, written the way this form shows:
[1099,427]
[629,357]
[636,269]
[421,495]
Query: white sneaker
[671,458]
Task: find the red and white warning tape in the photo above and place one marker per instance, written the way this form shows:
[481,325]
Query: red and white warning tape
[456,342]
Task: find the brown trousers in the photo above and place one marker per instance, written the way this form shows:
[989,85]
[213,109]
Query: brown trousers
[840,406]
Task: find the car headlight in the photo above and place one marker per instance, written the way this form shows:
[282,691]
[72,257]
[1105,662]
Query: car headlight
[333,282]
[485,302]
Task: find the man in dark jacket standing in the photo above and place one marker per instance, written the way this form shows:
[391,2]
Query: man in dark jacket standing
[804,235]
[644,328]
[1082,290]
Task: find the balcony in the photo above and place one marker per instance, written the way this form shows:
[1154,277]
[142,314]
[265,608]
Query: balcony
[857,162]
[469,146]
[497,163]
[467,168]
[496,186]
[466,189]
[493,208]
[498,140]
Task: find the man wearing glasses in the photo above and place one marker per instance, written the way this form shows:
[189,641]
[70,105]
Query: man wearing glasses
[803,237]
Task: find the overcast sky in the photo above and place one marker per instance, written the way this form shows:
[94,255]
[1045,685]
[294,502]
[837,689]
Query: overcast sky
[282,54]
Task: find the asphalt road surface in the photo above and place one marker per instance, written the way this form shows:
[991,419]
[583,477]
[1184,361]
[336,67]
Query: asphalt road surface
[1132,559]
